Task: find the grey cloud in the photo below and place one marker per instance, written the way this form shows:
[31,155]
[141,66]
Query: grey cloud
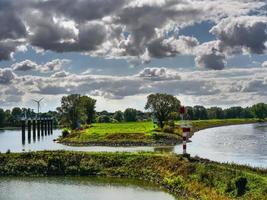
[212,60]
[246,31]
[172,46]
[60,74]
[81,10]
[7,48]
[28,65]
[208,55]
[115,28]
[156,73]
[25,65]
[6,76]
[11,24]
[199,86]
[54,65]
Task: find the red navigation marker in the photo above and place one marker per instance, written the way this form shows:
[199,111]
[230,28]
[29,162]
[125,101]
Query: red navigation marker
[182,110]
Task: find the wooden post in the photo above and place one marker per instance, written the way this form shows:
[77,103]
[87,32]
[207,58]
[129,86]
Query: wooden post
[38,128]
[29,130]
[51,126]
[45,128]
[23,127]
[42,127]
[34,130]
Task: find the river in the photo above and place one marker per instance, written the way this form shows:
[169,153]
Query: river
[242,144]
[78,188]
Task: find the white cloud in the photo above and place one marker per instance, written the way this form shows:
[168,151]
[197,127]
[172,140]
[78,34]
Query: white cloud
[28,65]
[264,64]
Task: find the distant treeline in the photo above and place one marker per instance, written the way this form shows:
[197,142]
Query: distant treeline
[11,118]
[192,113]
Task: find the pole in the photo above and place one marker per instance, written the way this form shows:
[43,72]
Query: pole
[23,127]
[186,132]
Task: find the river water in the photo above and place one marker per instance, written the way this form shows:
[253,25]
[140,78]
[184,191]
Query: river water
[243,144]
[75,188]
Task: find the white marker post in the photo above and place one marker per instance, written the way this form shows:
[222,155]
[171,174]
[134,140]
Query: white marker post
[185,128]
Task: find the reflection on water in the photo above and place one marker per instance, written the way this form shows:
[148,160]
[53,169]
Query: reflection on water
[78,189]
[244,144]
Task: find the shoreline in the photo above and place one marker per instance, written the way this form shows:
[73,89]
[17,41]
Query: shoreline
[197,126]
[183,177]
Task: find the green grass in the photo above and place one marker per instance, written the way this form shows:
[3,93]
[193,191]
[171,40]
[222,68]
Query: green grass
[138,133]
[192,178]
[202,124]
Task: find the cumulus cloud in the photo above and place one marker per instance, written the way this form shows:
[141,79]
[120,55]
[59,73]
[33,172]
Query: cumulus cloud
[119,28]
[207,87]
[248,32]
[28,65]
[208,55]
[156,73]
[60,74]
[6,76]
[264,64]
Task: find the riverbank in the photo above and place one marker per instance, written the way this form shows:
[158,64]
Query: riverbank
[138,133]
[193,178]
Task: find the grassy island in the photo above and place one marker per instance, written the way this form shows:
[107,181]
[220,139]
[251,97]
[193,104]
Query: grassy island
[121,134]
[192,178]
[138,133]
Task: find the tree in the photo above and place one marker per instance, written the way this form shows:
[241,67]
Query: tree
[118,115]
[71,111]
[260,110]
[89,108]
[162,105]
[189,112]
[215,113]
[2,117]
[200,112]
[103,119]
[130,115]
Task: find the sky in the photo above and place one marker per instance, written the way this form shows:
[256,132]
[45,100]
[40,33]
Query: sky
[205,52]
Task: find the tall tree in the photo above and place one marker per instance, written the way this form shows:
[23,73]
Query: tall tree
[70,111]
[162,105]
[260,110]
[89,108]
[130,115]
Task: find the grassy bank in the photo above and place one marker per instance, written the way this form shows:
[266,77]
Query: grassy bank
[121,134]
[203,124]
[195,178]
[138,133]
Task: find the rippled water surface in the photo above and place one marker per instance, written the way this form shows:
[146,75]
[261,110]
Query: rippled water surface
[78,189]
[243,144]
[12,140]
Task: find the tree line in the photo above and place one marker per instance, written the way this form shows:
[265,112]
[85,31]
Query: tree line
[77,110]
[12,117]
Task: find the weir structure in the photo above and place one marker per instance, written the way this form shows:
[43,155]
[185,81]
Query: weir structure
[36,127]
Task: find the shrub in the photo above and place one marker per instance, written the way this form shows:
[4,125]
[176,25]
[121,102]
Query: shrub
[65,132]
[241,185]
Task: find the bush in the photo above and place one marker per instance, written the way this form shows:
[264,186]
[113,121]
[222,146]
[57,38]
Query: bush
[169,127]
[241,186]
[65,132]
